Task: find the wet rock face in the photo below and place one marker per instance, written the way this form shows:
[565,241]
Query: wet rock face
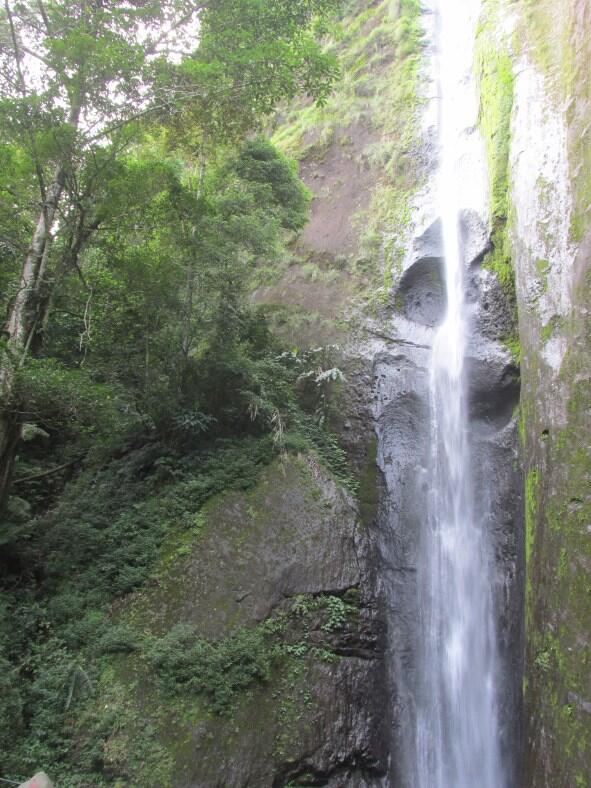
[551,245]
[493,384]
[402,423]
[422,292]
[319,718]
[490,311]
[402,427]
[421,296]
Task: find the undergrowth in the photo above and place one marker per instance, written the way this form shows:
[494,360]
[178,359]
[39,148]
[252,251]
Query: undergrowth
[65,570]
[219,670]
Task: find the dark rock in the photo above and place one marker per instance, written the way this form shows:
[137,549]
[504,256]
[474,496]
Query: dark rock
[474,239]
[491,313]
[421,293]
[297,533]
[493,383]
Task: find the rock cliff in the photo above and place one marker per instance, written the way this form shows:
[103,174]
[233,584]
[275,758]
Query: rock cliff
[551,242]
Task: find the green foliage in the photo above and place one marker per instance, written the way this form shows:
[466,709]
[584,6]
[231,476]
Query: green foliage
[543,661]
[126,348]
[258,52]
[273,181]
[84,138]
[11,704]
[336,614]
[90,554]
[69,401]
[219,670]
[152,382]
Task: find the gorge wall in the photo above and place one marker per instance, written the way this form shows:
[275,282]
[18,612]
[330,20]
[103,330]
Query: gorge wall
[550,195]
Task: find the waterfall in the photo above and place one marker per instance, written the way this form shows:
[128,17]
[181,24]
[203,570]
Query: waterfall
[457,729]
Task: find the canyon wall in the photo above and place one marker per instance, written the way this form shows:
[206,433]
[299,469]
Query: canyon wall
[550,232]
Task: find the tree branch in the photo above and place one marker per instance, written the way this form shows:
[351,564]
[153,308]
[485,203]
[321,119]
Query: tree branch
[43,474]
[44,16]
[24,92]
[29,52]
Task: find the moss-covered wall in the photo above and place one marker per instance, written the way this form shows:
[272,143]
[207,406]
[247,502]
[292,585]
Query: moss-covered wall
[250,658]
[496,82]
[551,246]
[532,62]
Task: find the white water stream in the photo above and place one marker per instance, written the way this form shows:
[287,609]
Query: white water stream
[457,729]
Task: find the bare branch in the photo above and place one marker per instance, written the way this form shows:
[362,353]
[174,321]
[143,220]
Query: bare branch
[42,475]
[153,48]
[44,16]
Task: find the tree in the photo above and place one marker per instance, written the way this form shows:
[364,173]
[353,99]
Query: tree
[136,334]
[79,81]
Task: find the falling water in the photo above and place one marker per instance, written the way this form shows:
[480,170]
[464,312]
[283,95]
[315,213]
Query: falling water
[457,734]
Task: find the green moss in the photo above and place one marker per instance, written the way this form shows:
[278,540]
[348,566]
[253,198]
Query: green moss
[498,260]
[562,564]
[368,485]
[513,345]
[521,426]
[543,661]
[494,71]
[550,328]
[542,270]
[531,507]
[558,585]
[181,681]
[170,695]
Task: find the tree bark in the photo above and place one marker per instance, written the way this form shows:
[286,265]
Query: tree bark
[10,435]
[20,326]
[23,311]
[186,338]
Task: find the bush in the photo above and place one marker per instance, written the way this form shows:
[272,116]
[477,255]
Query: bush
[219,669]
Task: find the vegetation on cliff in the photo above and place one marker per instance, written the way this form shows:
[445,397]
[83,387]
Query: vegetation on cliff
[137,378]
[494,70]
[83,88]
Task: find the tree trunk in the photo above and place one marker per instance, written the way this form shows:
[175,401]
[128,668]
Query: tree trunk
[187,335]
[10,435]
[20,327]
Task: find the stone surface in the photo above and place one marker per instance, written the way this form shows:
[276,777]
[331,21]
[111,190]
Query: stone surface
[297,533]
[297,536]
[421,293]
[551,243]
[493,383]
